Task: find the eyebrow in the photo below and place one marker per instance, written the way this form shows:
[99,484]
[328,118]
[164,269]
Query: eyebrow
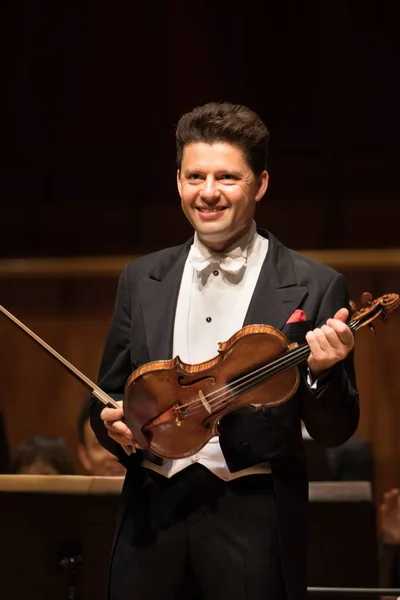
[219,171]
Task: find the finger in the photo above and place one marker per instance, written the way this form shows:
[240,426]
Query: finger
[332,337]
[122,441]
[343,332]
[342,315]
[338,326]
[112,414]
[341,346]
[120,438]
[119,427]
[131,448]
[317,342]
[322,339]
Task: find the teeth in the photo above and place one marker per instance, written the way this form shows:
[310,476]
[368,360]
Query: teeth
[210,209]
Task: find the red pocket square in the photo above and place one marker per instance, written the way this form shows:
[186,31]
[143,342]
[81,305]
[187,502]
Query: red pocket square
[298,315]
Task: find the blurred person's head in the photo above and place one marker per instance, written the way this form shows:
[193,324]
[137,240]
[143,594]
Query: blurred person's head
[95,459]
[42,455]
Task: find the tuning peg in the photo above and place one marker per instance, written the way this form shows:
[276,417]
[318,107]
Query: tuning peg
[366,298]
[353,307]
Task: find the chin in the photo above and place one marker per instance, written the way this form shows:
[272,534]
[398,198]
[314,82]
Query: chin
[220,235]
[213,231]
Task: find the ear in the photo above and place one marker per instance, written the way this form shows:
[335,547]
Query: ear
[262,185]
[83,457]
[178,182]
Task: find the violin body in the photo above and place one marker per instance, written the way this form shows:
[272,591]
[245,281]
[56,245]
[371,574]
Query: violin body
[173,408]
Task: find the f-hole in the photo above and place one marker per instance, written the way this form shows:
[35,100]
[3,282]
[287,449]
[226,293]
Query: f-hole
[183,383]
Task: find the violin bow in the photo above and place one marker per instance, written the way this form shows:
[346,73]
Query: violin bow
[94,389]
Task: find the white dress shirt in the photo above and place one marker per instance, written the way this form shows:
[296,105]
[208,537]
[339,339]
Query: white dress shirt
[211,307]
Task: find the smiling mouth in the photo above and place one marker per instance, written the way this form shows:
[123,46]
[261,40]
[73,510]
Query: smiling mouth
[211,210]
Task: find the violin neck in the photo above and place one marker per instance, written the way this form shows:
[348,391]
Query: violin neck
[354,325]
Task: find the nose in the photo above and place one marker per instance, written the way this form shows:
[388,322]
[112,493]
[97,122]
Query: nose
[209,190]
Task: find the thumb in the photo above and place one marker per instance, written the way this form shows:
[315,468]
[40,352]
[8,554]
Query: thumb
[342,315]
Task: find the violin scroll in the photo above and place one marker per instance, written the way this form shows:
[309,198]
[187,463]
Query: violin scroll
[372,309]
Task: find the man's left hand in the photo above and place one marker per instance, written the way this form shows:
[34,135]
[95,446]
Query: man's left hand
[330,343]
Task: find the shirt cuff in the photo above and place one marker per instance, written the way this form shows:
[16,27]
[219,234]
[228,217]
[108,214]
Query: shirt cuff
[314,382]
[311,382]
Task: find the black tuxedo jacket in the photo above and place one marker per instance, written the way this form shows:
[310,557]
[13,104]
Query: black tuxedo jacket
[142,331]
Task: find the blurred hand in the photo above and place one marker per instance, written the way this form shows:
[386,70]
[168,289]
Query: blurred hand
[116,427]
[389,517]
[330,343]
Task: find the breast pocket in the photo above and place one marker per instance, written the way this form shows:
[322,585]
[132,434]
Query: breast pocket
[296,332]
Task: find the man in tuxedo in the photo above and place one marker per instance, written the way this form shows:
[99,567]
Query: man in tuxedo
[229,521]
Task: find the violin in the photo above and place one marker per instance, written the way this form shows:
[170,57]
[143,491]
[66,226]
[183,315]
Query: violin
[173,409]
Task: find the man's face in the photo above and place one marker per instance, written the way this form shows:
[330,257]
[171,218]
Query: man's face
[219,192]
[96,459]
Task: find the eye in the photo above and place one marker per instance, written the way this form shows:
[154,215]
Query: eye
[193,176]
[228,176]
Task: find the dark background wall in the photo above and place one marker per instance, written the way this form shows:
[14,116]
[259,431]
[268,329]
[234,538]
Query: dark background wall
[93,91]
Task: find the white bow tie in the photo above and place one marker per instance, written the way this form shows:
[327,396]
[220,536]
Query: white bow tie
[232,262]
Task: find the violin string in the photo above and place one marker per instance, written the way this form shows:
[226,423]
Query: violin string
[276,367]
[279,365]
[247,382]
[217,393]
[242,388]
[251,380]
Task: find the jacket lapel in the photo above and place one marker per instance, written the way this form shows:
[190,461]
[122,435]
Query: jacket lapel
[158,297]
[277,293]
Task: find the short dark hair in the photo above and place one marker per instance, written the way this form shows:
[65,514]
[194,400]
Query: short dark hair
[225,122]
[51,449]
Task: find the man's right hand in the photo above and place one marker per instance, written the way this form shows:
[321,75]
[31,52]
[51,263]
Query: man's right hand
[116,427]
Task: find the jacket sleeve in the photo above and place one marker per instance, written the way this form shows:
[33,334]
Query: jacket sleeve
[115,366]
[331,411]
